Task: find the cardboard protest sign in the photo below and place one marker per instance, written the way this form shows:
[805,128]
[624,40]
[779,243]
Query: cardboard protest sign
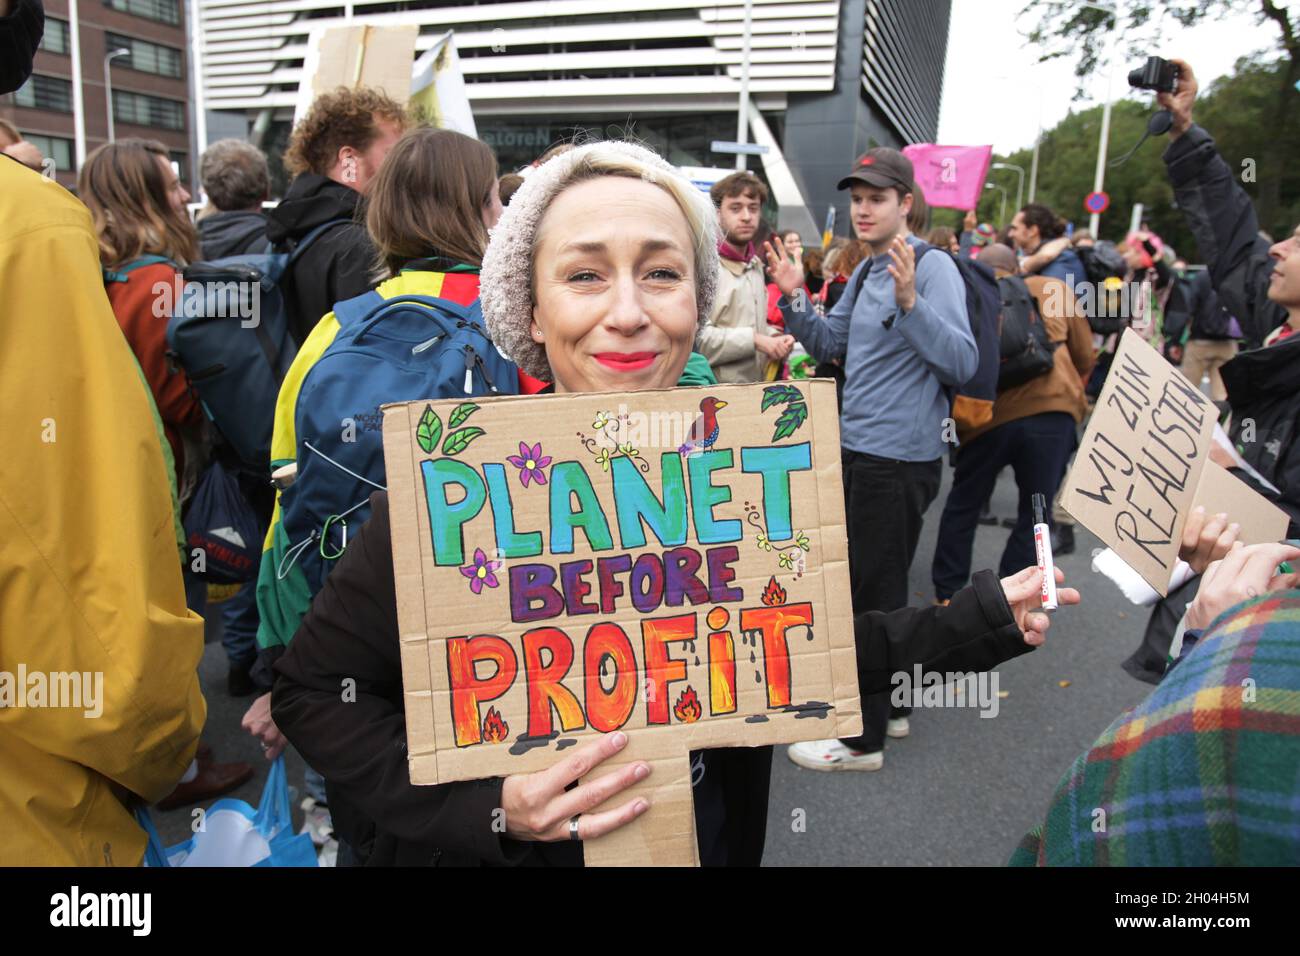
[1143,465]
[356,55]
[672,564]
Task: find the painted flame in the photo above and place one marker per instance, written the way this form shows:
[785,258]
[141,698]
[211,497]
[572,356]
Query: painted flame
[687,709]
[773,594]
[495,729]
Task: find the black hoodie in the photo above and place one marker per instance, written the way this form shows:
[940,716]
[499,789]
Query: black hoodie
[1264,383]
[1264,392]
[338,264]
[1223,220]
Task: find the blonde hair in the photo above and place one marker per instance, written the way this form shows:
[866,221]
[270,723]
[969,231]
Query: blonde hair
[506,286]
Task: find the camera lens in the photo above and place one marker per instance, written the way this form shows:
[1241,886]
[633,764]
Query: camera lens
[1135,78]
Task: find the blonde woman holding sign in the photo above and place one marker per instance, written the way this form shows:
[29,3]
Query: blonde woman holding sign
[595,279]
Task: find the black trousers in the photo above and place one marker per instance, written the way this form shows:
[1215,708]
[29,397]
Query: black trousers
[1037,448]
[884,503]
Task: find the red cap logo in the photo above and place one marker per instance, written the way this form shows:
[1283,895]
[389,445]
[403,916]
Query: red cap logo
[866,160]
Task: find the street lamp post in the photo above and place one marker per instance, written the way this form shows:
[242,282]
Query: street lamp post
[1020,188]
[108,86]
[1002,216]
[742,120]
[1038,141]
[1099,179]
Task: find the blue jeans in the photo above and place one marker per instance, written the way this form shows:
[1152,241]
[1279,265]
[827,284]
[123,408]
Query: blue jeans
[1037,448]
[239,626]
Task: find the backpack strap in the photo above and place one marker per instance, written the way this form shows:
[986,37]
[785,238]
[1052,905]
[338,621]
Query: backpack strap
[310,238]
[405,303]
[122,273]
[855,284]
[860,275]
[356,310]
[470,313]
[921,249]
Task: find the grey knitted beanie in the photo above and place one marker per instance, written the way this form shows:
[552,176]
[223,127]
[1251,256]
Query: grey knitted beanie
[505,281]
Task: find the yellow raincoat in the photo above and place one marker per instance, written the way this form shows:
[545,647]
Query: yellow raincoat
[90,581]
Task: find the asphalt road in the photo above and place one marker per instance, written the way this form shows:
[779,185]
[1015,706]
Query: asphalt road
[961,790]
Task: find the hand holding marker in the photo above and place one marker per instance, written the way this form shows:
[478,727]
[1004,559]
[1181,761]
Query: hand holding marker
[1043,551]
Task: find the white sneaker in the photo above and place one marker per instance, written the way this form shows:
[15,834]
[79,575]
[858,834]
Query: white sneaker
[898,727]
[833,755]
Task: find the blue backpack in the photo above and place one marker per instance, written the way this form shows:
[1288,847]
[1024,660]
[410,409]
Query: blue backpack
[387,350]
[230,333]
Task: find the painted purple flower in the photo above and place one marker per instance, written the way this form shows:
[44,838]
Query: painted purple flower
[530,462]
[480,572]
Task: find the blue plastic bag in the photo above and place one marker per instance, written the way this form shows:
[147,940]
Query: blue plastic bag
[234,834]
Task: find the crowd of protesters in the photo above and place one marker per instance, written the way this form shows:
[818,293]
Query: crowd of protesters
[96,575]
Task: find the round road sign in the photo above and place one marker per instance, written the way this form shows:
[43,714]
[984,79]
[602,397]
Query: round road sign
[1096,202]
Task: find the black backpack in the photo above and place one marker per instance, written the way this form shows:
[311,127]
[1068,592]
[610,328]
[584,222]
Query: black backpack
[1027,351]
[1102,261]
[1110,310]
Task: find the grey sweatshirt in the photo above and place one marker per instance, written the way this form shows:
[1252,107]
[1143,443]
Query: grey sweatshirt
[895,401]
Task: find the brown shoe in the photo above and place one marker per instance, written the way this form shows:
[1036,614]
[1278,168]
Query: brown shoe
[213,780]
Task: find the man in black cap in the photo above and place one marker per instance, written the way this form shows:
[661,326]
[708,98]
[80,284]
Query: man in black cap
[902,333]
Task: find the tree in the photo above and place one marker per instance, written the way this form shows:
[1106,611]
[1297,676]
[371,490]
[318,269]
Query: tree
[1235,109]
[1237,114]
[1065,28]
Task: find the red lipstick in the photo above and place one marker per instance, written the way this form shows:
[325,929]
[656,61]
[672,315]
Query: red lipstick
[626,361]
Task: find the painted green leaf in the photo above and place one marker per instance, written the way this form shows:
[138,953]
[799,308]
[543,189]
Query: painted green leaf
[779,395]
[458,441]
[794,416]
[429,430]
[460,413]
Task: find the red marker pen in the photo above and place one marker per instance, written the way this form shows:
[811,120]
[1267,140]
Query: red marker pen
[1043,550]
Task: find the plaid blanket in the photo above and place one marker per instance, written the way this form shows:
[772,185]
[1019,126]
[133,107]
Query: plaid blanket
[1204,772]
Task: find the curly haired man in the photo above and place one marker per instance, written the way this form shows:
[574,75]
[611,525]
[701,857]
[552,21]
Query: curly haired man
[334,153]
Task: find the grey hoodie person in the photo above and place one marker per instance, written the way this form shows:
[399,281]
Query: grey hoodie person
[234,233]
[898,365]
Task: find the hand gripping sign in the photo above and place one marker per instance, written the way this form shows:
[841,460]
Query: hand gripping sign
[671,564]
[1144,464]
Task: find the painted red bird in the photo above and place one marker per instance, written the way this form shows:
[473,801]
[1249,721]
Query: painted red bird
[704,433]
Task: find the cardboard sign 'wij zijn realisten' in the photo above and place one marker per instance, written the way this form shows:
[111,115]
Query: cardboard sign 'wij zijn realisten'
[1144,464]
[672,564]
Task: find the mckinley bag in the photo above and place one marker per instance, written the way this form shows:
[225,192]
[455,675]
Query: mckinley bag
[221,530]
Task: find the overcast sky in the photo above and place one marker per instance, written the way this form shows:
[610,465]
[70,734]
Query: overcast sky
[992,81]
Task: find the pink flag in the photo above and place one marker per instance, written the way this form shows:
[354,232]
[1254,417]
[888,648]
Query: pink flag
[950,176]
